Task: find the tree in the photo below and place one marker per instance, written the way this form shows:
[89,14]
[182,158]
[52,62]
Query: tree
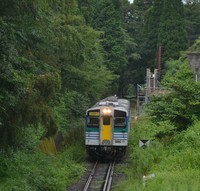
[29,82]
[135,19]
[51,67]
[172,30]
[108,17]
[181,106]
[151,32]
[192,17]
[87,8]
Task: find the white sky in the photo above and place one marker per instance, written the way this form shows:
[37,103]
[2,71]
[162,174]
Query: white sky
[131,1]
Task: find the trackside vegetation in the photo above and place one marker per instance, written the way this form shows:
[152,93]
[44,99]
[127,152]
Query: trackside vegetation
[170,163]
[58,57]
[172,124]
[24,170]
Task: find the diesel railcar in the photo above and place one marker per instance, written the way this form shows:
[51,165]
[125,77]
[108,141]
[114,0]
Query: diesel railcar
[107,127]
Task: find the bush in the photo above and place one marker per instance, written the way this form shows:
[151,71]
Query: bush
[37,171]
[141,159]
[175,164]
[188,139]
[181,106]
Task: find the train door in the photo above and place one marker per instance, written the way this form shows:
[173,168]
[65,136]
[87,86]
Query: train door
[106,130]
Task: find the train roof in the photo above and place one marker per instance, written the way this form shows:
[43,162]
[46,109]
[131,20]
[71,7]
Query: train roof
[113,101]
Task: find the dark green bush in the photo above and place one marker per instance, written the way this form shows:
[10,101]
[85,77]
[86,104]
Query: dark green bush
[37,171]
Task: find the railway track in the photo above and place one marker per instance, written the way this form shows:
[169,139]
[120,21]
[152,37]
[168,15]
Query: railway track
[100,178]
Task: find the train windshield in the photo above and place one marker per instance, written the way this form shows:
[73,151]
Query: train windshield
[93,118]
[93,122]
[106,120]
[120,122]
[120,118]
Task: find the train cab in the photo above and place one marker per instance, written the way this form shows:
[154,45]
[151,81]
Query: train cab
[107,126]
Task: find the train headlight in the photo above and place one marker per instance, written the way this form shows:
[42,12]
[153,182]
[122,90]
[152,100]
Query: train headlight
[106,111]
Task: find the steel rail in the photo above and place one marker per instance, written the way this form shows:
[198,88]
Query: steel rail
[108,181]
[90,177]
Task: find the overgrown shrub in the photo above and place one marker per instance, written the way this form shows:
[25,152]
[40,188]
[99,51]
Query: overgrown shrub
[181,106]
[173,161]
[188,139]
[37,171]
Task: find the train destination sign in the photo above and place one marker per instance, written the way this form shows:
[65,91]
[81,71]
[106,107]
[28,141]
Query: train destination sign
[94,113]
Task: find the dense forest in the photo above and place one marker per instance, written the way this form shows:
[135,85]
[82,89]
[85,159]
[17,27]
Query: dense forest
[57,57]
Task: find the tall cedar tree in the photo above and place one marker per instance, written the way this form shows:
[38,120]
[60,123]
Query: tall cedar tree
[135,23]
[192,16]
[137,18]
[151,31]
[107,18]
[172,33]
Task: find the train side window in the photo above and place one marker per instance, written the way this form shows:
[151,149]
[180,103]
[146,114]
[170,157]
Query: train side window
[106,120]
[120,122]
[93,122]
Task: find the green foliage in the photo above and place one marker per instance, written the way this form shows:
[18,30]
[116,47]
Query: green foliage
[181,106]
[136,19]
[196,46]
[151,32]
[175,165]
[179,168]
[192,16]
[107,16]
[140,159]
[173,180]
[171,162]
[47,54]
[68,107]
[158,23]
[29,83]
[187,140]
[108,20]
[31,137]
[37,171]
[172,30]
[138,60]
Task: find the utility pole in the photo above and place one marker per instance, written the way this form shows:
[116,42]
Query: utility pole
[159,62]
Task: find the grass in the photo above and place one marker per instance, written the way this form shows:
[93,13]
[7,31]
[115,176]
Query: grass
[22,170]
[174,161]
[182,180]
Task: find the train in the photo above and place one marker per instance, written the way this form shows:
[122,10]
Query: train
[107,127]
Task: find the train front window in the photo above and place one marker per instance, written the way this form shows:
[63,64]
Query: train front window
[93,122]
[106,120]
[118,113]
[120,122]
